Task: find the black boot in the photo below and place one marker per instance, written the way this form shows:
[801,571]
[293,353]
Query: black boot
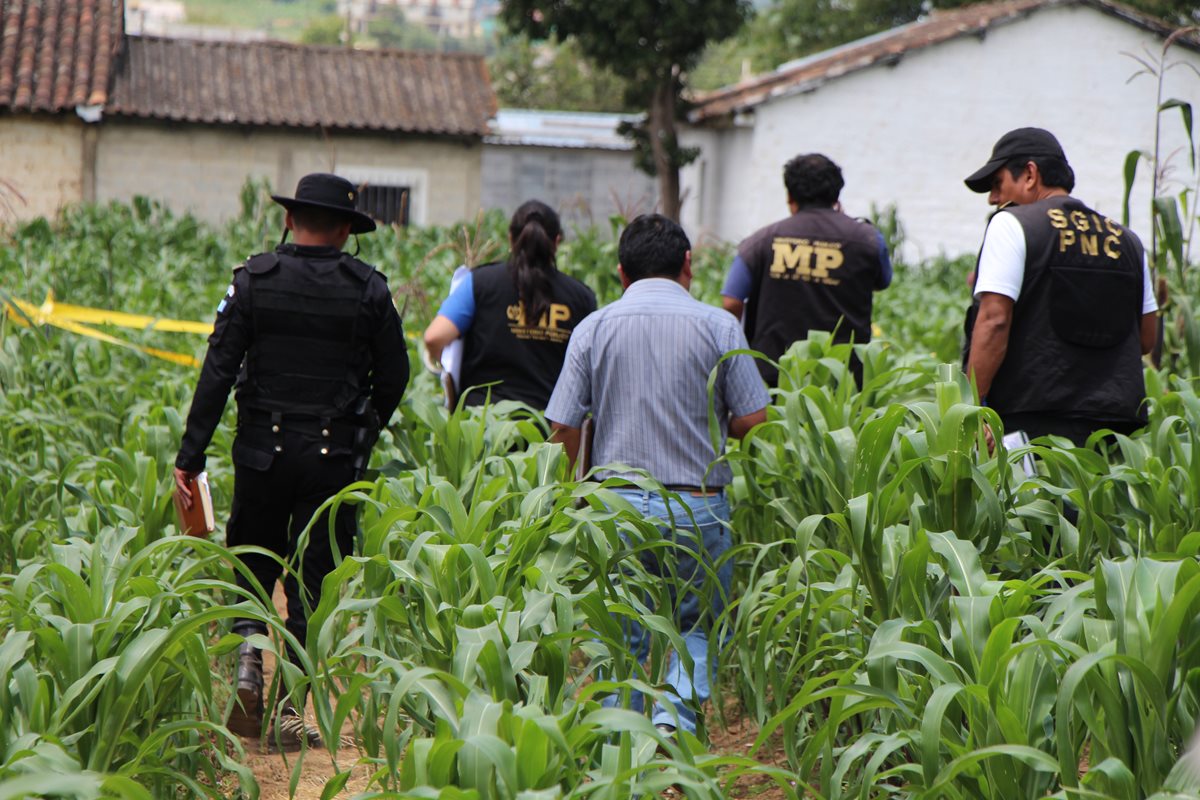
[289,731]
[246,719]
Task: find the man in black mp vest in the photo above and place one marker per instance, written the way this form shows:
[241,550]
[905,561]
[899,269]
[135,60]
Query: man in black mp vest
[1065,305]
[313,339]
[814,270]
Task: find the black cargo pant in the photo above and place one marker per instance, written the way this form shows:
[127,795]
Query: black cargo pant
[275,494]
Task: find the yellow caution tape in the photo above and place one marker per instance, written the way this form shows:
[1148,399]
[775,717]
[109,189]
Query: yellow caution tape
[120,319]
[71,318]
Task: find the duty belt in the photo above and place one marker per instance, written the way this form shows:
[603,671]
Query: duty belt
[339,431]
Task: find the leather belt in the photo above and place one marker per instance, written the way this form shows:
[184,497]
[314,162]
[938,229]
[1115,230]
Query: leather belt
[679,488]
[698,491]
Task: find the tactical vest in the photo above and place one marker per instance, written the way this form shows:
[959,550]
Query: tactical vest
[815,270]
[1074,346]
[524,355]
[308,352]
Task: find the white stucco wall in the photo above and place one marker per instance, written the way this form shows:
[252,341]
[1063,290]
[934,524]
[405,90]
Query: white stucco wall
[41,159]
[908,134]
[710,187]
[202,169]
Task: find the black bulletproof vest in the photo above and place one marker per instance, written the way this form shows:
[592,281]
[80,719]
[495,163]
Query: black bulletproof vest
[1074,348]
[815,270]
[308,342]
[525,356]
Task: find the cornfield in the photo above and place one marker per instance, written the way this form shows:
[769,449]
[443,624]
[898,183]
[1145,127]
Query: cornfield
[911,617]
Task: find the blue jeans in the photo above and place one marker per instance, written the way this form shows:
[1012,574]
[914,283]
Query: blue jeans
[702,603]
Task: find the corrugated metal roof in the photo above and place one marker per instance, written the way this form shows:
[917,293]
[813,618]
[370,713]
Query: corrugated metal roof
[889,46]
[57,54]
[289,85]
[568,129]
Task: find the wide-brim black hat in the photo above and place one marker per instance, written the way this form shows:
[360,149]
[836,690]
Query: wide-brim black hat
[1019,143]
[329,192]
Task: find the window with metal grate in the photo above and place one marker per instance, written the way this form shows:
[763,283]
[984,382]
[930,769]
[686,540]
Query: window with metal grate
[386,204]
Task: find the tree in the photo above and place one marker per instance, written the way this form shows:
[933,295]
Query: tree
[651,44]
[790,29]
[553,76]
[327,30]
[390,29]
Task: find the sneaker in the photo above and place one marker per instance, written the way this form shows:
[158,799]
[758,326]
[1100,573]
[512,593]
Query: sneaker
[668,732]
[290,732]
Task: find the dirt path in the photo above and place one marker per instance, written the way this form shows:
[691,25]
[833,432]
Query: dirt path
[736,739]
[274,770]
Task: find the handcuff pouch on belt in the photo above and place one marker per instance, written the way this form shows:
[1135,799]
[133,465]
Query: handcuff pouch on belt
[352,435]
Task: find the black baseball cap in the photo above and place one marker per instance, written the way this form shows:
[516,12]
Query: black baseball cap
[332,193]
[1020,143]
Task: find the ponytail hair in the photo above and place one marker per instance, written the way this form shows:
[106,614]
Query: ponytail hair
[533,230]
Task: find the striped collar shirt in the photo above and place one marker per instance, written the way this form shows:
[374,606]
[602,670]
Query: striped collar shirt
[641,367]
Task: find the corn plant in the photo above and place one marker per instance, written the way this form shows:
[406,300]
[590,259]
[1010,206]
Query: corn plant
[914,615]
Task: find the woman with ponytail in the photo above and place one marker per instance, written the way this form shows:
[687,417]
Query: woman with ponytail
[514,317]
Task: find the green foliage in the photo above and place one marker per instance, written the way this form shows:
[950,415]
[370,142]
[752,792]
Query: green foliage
[106,663]
[644,41]
[789,29]
[1175,12]
[387,27]
[281,19]
[326,30]
[553,76]
[1173,215]
[651,45]
[941,623]
[913,616]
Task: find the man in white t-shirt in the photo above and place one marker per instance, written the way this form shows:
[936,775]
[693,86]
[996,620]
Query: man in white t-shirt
[1065,306]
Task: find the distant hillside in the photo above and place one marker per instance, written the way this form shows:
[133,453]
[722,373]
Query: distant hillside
[278,19]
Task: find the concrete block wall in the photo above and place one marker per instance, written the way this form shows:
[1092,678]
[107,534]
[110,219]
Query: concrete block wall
[585,186]
[201,169]
[42,159]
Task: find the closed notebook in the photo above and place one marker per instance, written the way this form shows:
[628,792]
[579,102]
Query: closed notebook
[199,520]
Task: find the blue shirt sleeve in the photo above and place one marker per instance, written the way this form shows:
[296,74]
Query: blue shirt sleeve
[459,307]
[885,264]
[739,281]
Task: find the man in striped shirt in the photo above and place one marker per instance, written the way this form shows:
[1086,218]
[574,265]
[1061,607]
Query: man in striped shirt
[641,367]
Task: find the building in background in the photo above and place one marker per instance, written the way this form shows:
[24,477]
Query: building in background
[90,113]
[911,112]
[169,18]
[451,19]
[574,161]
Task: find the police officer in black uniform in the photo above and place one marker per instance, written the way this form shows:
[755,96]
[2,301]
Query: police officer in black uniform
[1065,306]
[314,342]
[815,270]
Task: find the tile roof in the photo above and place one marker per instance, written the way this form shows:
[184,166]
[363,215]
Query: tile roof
[297,86]
[57,54]
[890,46]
